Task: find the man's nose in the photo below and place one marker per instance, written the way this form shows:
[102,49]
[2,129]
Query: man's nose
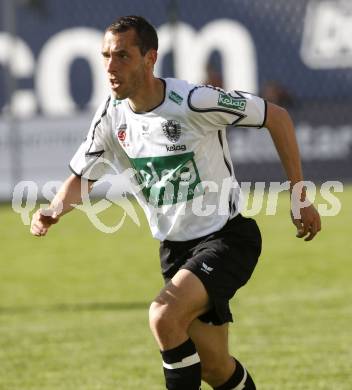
[111,64]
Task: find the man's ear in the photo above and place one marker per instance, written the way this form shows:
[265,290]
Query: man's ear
[151,57]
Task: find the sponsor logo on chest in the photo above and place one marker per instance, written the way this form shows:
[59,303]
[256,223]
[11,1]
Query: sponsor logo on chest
[168,179]
[175,148]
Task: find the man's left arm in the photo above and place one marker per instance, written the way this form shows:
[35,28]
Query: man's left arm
[282,131]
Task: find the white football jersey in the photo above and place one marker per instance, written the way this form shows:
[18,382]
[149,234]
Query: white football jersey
[178,152]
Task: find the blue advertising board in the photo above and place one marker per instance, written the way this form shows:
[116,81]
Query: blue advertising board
[297,52]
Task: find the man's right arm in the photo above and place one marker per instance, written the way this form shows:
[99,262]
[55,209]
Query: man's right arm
[69,194]
[87,163]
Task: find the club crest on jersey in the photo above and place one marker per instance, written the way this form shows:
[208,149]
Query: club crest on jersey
[172,130]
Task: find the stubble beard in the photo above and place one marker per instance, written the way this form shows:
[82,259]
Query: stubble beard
[132,86]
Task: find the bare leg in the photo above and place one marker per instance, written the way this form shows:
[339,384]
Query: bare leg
[212,346]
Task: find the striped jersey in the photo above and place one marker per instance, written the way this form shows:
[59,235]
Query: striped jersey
[178,154]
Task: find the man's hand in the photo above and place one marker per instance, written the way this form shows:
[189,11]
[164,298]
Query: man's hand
[309,224]
[42,220]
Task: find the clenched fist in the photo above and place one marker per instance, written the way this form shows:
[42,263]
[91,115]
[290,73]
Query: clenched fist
[42,220]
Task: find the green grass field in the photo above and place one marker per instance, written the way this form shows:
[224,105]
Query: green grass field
[74,306]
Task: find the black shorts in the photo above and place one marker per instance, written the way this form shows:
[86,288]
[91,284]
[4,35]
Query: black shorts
[223,261]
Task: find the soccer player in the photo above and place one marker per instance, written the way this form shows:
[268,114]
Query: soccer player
[172,134]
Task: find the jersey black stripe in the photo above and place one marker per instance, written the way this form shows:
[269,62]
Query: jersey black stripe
[97,153]
[78,174]
[227,163]
[265,112]
[265,109]
[74,172]
[232,207]
[99,120]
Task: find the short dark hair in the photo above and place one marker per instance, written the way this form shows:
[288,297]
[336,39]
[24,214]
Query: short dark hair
[147,37]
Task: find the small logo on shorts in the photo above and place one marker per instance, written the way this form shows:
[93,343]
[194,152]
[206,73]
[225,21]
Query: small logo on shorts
[206,268]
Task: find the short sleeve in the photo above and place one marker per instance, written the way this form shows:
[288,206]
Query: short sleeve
[91,160]
[219,108]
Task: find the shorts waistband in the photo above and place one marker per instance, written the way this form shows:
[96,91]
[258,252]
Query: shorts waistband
[233,221]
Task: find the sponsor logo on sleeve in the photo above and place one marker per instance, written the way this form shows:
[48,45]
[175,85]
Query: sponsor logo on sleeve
[232,102]
[175,97]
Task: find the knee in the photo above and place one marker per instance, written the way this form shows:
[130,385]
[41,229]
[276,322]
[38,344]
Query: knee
[161,318]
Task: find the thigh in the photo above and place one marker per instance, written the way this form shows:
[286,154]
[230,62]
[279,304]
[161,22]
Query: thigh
[224,263]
